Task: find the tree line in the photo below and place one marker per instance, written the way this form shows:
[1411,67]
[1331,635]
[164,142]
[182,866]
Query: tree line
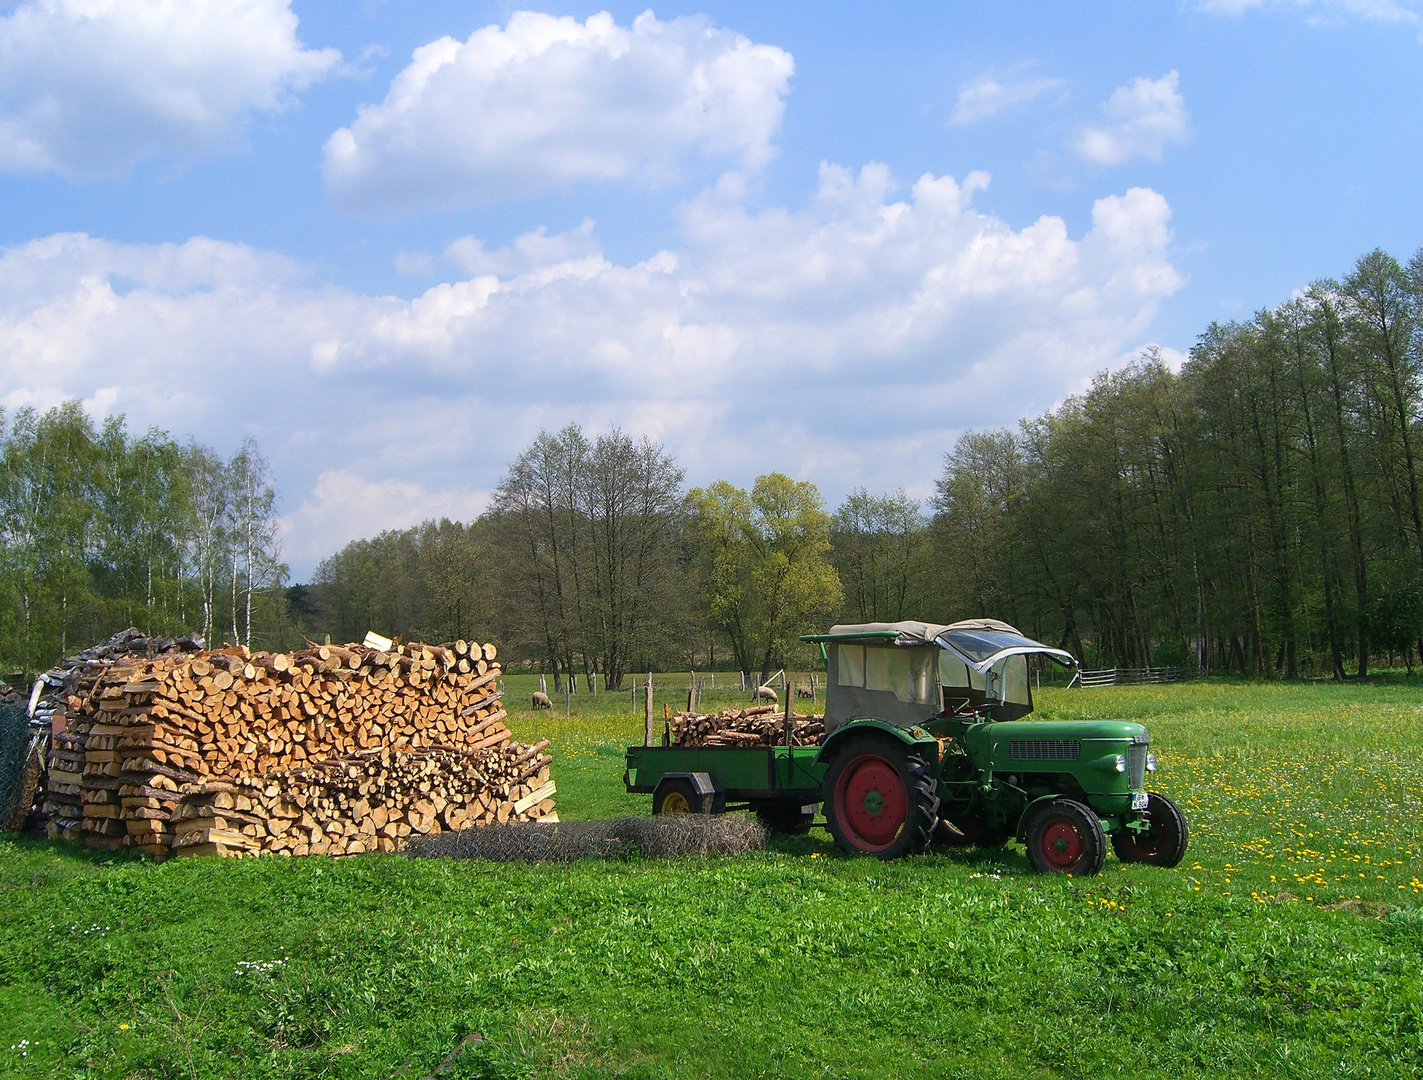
[594,561]
[1257,511]
[102,529]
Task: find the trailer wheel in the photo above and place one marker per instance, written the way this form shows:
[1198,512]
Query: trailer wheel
[1164,844]
[679,796]
[1066,837]
[784,817]
[881,799]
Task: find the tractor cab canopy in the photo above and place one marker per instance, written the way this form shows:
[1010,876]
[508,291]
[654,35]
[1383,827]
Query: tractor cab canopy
[909,672]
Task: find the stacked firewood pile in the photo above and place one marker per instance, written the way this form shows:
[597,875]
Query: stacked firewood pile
[76,674]
[365,802]
[60,795]
[329,749]
[763,725]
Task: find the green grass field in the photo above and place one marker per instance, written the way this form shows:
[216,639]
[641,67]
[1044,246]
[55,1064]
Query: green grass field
[1289,943]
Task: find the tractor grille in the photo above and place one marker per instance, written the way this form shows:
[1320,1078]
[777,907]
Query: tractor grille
[1047,750]
[1136,765]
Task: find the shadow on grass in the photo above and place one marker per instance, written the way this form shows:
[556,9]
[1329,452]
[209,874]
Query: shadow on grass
[818,843]
[76,854]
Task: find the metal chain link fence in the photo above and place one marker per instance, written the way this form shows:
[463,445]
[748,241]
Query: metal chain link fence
[617,838]
[19,764]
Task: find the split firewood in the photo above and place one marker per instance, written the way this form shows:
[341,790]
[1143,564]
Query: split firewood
[329,749]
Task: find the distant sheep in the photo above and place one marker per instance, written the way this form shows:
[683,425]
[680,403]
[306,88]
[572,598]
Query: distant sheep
[541,700]
[804,691]
[765,693]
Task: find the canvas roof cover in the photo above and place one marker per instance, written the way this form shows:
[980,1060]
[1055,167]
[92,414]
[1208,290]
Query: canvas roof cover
[982,642]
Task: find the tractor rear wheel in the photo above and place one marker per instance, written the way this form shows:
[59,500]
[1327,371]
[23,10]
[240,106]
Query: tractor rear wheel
[1065,837]
[881,799]
[1164,844]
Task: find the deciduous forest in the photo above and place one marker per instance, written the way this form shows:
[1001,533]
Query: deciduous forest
[1257,511]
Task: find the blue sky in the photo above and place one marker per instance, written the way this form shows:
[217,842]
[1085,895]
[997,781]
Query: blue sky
[818,238]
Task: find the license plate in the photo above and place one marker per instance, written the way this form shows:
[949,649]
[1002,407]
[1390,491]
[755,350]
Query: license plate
[1139,800]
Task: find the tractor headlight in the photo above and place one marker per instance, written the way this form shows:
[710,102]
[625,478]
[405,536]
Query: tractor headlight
[1121,763]
[1150,762]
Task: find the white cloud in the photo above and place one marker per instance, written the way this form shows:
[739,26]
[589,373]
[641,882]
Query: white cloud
[991,93]
[847,342]
[545,102]
[531,252]
[92,87]
[1320,11]
[1142,118]
[344,506]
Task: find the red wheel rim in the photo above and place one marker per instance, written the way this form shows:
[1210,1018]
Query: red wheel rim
[1060,844]
[871,802]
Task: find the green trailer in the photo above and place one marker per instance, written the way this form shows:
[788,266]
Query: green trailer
[927,740]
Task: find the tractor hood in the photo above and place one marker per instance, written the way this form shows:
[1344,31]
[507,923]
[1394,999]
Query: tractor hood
[991,731]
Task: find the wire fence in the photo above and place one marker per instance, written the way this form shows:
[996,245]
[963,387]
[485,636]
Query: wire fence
[664,837]
[1128,676]
[17,746]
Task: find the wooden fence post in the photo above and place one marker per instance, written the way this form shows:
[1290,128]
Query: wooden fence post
[790,696]
[647,713]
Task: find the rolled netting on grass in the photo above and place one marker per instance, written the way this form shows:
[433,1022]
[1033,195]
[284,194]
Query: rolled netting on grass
[16,787]
[617,838]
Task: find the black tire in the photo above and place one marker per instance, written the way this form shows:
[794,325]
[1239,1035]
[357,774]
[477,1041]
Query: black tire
[1065,837]
[1164,845]
[784,817]
[886,824]
[679,796]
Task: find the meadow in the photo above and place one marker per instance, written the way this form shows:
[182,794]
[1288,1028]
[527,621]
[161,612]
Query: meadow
[1289,942]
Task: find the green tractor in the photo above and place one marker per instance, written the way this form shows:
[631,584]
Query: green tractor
[931,718]
[925,742]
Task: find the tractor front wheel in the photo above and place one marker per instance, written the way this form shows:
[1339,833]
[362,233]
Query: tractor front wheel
[1164,844]
[882,800]
[1066,837]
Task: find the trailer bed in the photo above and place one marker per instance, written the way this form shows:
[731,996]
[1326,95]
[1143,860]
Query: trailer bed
[740,773]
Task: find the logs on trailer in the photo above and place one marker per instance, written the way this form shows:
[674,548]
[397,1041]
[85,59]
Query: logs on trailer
[210,753]
[763,725]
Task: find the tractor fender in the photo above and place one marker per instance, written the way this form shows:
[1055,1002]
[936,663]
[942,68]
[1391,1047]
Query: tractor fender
[850,729]
[702,782]
[710,798]
[1021,832]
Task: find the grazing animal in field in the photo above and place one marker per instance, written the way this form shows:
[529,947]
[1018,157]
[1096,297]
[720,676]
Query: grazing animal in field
[541,700]
[803,691]
[765,693]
